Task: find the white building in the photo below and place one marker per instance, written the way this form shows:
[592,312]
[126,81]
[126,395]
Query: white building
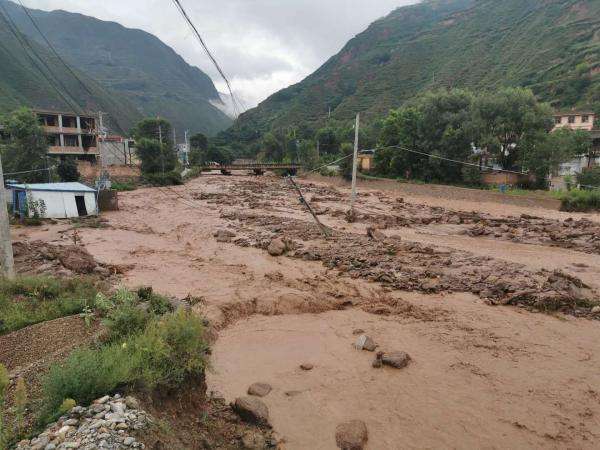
[54,200]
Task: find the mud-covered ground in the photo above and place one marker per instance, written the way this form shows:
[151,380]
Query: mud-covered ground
[493,302]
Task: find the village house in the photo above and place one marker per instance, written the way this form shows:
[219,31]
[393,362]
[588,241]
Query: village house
[585,121]
[70,134]
[53,200]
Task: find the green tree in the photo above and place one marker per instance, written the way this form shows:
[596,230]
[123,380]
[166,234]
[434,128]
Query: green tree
[67,170]
[26,147]
[272,147]
[308,155]
[509,122]
[155,158]
[158,129]
[328,141]
[346,165]
[198,149]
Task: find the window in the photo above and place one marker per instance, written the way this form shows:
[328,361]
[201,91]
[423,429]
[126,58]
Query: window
[585,119]
[71,141]
[571,119]
[557,120]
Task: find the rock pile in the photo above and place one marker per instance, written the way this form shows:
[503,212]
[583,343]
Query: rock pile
[106,424]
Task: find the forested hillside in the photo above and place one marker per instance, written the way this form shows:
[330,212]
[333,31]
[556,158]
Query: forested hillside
[551,46]
[132,64]
[31,76]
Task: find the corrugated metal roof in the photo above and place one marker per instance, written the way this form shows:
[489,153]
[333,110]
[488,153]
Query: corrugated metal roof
[58,187]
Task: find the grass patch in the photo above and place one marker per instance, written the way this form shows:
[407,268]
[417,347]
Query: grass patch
[166,352]
[123,186]
[580,200]
[29,300]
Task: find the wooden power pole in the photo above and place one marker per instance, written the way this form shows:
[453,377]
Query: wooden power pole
[355,162]
[6,253]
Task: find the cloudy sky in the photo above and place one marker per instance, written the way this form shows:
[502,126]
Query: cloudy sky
[262,45]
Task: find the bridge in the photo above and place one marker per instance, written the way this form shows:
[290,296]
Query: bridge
[257,168]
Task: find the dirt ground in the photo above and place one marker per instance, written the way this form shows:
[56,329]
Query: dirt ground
[492,300]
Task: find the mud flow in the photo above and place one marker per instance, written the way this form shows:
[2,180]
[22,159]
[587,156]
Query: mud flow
[494,304]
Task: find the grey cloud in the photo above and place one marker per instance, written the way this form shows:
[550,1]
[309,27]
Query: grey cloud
[263,45]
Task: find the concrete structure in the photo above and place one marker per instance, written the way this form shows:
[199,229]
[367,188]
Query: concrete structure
[365,162]
[575,120]
[117,151]
[70,134]
[60,200]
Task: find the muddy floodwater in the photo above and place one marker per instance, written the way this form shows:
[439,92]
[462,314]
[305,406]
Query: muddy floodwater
[492,300]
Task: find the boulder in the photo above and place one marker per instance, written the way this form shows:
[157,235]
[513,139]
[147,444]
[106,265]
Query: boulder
[306,366]
[277,247]
[364,342]
[224,235]
[252,410]
[398,360]
[259,389]
[596,310]
[351,435]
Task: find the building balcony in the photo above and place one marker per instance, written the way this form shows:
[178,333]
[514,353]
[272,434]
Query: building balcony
[57,150]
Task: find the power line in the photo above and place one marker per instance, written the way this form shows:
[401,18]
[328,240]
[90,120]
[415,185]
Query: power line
[208,52]
[31,171]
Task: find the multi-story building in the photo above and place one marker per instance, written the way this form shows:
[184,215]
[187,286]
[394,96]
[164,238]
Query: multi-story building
[575,120]
[70,134]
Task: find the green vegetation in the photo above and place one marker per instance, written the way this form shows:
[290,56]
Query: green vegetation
[134,70]
[589,178]
[169,350]
[67,170]
[30,300]
[25,148]
[4,382]
[123,186]
[581,200]
[156,151]
[550,47]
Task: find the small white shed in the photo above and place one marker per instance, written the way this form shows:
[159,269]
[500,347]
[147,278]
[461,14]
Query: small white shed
[59,200]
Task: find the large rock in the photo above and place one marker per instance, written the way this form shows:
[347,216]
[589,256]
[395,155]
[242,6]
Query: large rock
[259,389]
[364,342]
[398,360]
[224,235]
[277,247]
[351,435]
[252,410]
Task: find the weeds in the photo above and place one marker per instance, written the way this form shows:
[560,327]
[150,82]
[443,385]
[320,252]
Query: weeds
[29,300]
[165,353]
[123,186]
[580,200]
[4,381]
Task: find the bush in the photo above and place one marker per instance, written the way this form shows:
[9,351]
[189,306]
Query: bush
[589,177]
[124,320]
[471,175]
[170,350]
[86,375]
[159,305]
[123,186]
[168,179]
[580,200]
[29,300]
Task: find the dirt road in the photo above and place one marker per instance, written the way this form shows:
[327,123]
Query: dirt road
[461,289]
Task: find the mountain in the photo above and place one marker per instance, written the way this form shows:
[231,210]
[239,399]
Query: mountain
[26,81]
[133,64]
[551,46]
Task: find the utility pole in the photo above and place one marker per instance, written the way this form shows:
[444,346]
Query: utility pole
[101,137]
[162,153]
[8,265]
[355,162]
[187,147]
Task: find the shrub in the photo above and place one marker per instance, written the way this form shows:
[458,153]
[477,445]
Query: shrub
[29,300]
[579,200]
[123,186]
[589,177]
[170,350]
[168,179]
[86,375]
[159,305]
[125,319]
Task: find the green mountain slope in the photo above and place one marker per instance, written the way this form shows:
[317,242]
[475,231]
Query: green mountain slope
[552,46]
[23,84]
[134,64]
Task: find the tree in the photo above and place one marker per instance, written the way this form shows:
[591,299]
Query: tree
[436,124]
[550,150]
[328,141]
[509,122]
[155,158]
[151,128]
[272,147]
[308,155]
[346,165]
[26,148]
[67,170]
[198,149]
